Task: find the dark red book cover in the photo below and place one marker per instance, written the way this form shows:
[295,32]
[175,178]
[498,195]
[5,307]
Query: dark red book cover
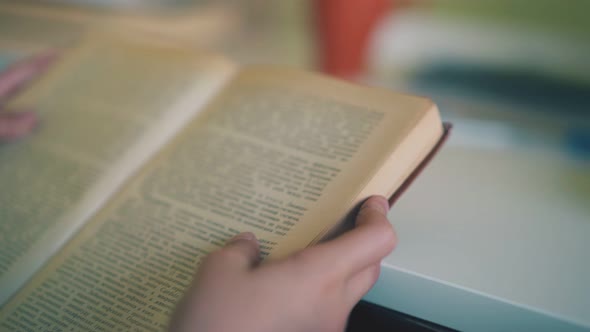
[406,184]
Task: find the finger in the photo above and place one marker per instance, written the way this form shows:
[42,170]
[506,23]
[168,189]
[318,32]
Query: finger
[241,252]
[369,242]
[15,125]
[19,74]
[360,283]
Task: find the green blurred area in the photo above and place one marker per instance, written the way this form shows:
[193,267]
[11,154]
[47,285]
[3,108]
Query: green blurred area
[568,17]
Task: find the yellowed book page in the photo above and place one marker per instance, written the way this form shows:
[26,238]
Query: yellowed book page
[350,142]
[104,111]
[279,153]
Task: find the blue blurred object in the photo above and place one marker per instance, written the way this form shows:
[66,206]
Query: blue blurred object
[578,142]
[533,90]
[536,109]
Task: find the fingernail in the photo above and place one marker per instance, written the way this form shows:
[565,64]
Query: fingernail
[378,203]
[249,236]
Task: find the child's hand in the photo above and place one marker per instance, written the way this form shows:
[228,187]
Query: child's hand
[16,124]
[312,290]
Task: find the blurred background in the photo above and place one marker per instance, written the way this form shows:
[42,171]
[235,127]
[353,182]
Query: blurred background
[505,72]
[512,76]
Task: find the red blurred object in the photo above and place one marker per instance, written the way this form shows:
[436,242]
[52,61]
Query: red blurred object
[344,28]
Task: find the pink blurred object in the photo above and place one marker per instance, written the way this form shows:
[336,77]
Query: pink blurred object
[344,29]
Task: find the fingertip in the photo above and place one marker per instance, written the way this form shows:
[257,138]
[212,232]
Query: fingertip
[373,215]
[373,210]
[248,236]
[246,242]
[241,251]
[378,203]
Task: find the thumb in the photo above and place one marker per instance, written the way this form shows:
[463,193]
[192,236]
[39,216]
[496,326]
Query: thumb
[241,252]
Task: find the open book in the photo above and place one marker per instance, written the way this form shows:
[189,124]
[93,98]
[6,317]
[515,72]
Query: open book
[149,157]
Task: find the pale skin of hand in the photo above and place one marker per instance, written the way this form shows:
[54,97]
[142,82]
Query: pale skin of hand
[19,123]
[312,290]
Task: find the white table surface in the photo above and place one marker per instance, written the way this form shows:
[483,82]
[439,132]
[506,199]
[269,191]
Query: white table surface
[493,239]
